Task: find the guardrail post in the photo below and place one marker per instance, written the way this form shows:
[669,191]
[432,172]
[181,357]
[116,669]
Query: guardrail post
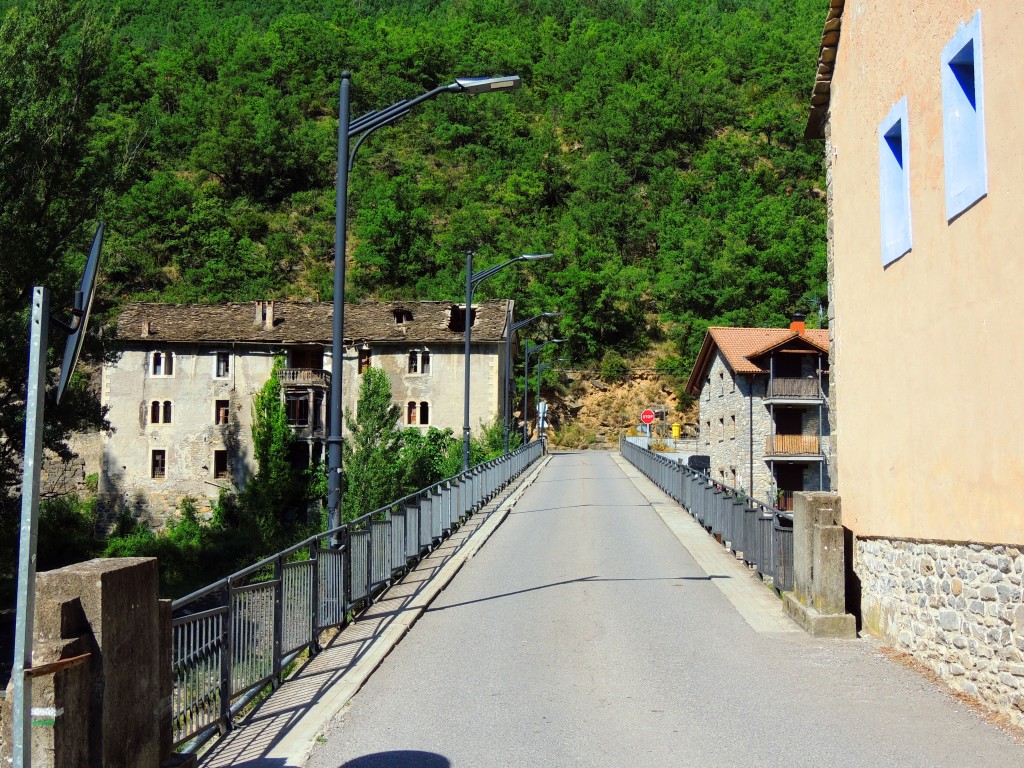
[224,725]
[278,618]
[314,556]
[346,573]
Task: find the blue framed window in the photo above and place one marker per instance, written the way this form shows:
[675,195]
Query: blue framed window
[894,182]
[963,119]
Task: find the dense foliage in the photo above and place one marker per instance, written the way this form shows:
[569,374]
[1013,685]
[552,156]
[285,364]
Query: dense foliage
[655,148]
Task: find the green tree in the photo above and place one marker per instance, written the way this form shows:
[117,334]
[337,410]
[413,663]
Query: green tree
[373,476]
[271,494]
[68,140]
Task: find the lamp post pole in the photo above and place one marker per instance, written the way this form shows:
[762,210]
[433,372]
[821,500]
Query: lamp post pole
[471,282]
[513,327]
[335,438]
[540,369]
[347,130]
[526,384]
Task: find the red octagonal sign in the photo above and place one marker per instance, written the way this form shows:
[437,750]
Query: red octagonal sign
[647,417]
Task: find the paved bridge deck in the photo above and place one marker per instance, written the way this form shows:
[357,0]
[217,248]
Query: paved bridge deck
[600,626]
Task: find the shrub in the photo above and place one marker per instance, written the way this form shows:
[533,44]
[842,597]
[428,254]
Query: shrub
[613,367]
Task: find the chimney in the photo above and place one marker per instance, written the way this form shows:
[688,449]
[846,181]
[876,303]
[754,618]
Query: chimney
[145,329]
[268,315]
[796,325]
[258,317]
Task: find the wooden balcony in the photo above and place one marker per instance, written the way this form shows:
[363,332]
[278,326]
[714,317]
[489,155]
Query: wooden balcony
[305,377]
[804,388]
[793,445]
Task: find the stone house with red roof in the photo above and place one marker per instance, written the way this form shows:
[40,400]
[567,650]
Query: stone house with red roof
[762,394]
[179,394]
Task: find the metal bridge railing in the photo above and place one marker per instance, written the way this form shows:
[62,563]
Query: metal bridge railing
[753,530]
[231,639]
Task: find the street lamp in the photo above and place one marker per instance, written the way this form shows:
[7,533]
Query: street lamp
[540,369]
[508,365]
[471,282]
[526,384]
[361,128]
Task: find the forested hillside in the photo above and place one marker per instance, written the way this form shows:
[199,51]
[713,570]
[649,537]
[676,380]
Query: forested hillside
[656,148]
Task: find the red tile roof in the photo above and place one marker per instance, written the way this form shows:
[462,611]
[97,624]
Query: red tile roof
[739,345]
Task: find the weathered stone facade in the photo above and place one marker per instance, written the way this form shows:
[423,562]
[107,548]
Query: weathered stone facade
[735,425]
[180,410]
[956,607]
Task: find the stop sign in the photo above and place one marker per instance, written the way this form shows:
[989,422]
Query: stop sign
[647,417]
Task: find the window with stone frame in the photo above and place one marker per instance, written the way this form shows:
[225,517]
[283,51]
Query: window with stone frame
[220,465]
[158,464]
[424,413]
[222,364]
[161,412]
[161,363]
[365,359]
[419,362]
[220,412]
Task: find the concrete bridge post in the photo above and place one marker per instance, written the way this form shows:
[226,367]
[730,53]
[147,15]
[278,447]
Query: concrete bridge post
[818,599]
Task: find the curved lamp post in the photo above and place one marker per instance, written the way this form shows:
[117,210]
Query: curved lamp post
[540,369]
[471,282]
[526,383]
[508,366]
[359,129]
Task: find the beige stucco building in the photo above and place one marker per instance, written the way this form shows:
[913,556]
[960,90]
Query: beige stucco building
[180,392]
[918,103]
[762,395]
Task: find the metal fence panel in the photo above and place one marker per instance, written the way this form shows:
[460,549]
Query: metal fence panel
[436,527]
[380,552]
[783,553]
[298,605]
[398,547]
[197,653]
[331,564]
[359,546]
[252,635]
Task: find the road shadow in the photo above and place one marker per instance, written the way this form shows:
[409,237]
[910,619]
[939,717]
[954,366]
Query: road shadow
[583,580]
[404,758]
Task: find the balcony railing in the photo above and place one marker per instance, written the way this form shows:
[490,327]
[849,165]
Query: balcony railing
[793,445]
[304,377]
[801,389]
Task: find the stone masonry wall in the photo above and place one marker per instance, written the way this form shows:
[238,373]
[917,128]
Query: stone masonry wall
[956,607]
[723,400]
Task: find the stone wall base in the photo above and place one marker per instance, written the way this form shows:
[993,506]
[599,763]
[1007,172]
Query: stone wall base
[955,607]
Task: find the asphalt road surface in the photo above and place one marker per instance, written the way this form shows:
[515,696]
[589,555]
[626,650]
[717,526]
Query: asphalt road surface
[584,634]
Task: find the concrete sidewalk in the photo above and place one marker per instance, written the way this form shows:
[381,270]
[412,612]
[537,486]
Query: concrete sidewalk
[282,730]
[755,602]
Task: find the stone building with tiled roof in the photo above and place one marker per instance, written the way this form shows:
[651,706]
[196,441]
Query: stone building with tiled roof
[179,395]
[762,395]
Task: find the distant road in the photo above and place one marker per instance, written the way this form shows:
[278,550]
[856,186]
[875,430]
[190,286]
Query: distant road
[584,634]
